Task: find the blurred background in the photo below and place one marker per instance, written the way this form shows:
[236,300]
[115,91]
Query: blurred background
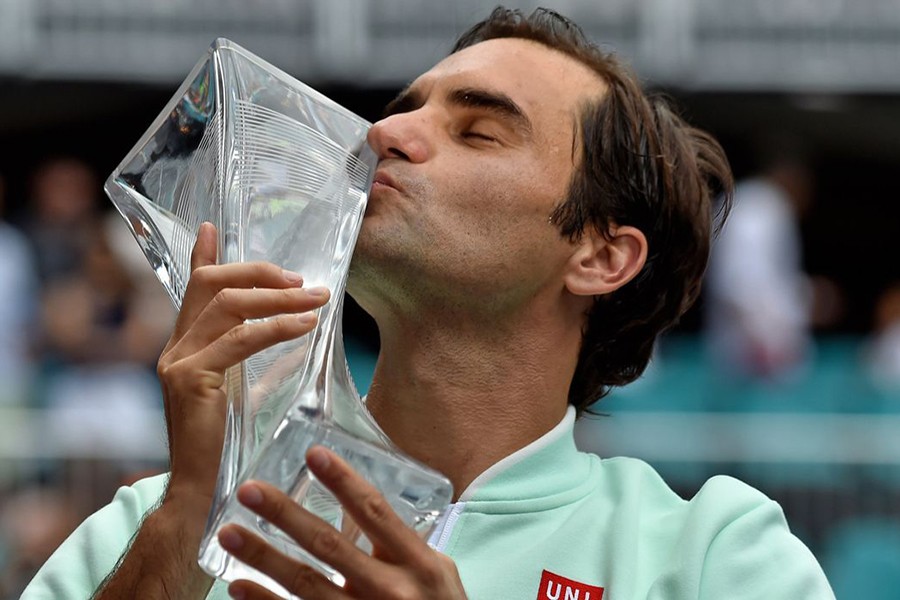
[786,374]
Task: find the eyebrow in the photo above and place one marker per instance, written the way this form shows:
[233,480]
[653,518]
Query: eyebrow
[497,103]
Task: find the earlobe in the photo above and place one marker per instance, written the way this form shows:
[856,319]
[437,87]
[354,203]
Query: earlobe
[601,265]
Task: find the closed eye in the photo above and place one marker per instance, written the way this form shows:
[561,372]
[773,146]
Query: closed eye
[479,136]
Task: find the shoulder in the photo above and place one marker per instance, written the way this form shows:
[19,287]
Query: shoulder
[633,483]
[728,499]
[721,495]
[90,553]
[721,499]
[742,547]
[726,508]
[728,541]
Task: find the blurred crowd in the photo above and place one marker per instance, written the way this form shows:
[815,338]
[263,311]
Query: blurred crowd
[82,322]
[761,307]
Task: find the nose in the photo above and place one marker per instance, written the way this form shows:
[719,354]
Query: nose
[403,135]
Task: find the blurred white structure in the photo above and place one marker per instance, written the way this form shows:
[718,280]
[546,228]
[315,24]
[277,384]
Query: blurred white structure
[780,45]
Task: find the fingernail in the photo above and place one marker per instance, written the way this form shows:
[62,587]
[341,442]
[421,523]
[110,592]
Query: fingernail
[317,291]
[306,318]
[250,495]
[231,540]
[317,459]
[292,277]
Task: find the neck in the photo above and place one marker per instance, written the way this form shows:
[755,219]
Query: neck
[461,398]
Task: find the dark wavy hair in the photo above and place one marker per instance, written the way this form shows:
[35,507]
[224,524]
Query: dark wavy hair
[642,166]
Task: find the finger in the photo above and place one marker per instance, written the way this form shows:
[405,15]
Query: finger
[243,341]
[208,280]
[233,306]
[245,275]
[312,533]
[247,590]
[296,577]
[204,251]
[366,505]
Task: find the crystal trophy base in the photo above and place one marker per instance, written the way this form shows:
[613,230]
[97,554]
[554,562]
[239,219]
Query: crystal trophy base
[416,496]
[284,174]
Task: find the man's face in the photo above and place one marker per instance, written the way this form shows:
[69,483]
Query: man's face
[474,155]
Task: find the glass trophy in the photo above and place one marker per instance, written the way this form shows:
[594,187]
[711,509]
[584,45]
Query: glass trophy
[284,173]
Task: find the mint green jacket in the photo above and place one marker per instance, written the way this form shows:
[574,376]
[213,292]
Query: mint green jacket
[548,523]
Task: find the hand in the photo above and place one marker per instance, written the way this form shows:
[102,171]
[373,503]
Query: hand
[210,335]
[402,565]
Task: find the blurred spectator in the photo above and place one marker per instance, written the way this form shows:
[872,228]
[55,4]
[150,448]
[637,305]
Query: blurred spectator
[106,329]
[33,522]
[62,210]
[98,314]
[884,349]
[147,334]
[18,297]
[759,300]
[105,319]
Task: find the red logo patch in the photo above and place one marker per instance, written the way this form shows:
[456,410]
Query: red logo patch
[557,587]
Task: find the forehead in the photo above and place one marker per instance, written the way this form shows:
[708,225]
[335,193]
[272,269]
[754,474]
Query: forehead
[537,77]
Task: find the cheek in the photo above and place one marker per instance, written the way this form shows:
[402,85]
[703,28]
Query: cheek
[498,219]
[503,191]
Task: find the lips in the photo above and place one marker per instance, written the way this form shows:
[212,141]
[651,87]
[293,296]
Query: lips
[383,179]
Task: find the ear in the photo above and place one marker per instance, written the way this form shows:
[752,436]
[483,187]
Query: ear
[602,264]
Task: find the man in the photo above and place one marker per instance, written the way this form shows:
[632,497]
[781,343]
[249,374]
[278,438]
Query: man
[760,304]
[535,222]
